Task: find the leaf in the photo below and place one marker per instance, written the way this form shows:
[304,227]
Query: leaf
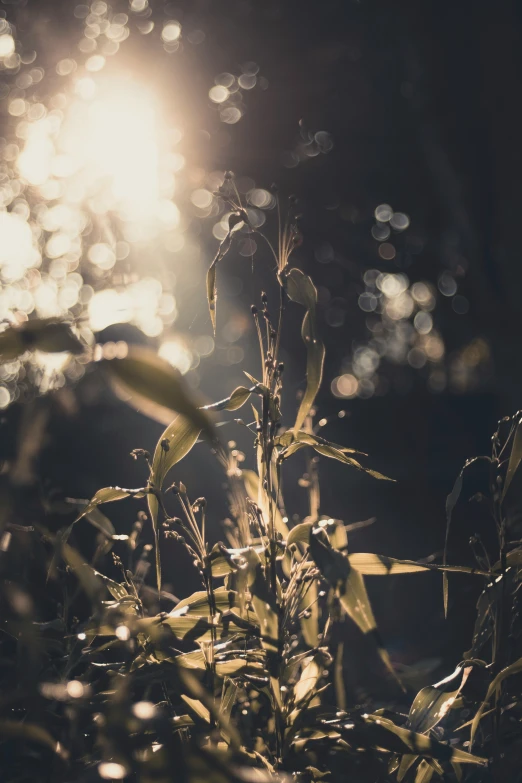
[300,533]
[419,744]
[212,293]
[424,772]
[301,289]
[314,368]
[156,386]
[174,444]
[350,589]
[313,668]
[451,502]
[85,573]
[223,249]
[309,611]
[378,565]
[196,706]
[433,703]
[194,604]
[228,699]
[329,451]
[256,493]
[407,762]
[109,495]
[33,733]
[514,668]
[514,458]
[238,398]
[263,602]
[42,334]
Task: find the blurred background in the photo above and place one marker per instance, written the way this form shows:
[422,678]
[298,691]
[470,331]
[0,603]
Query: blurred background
[396,125]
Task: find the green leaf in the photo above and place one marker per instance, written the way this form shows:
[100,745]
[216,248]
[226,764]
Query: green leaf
[32,733]
[238,398]
[156,387]
[514,458]
[42,334]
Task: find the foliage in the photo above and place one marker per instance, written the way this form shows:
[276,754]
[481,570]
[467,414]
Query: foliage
[242,679]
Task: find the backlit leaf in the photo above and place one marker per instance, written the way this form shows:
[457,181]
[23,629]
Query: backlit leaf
[212,293]
[238,398]
[109,495]
[156,387]
[378,565]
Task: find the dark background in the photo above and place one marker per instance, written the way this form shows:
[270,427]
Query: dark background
[423,104]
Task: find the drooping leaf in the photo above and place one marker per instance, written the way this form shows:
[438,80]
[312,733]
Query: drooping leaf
[329,451]
[238,398]
[234,221]
[378,565]
[301,289]
[42,334]
[314,367]
[109,495]
[156,387]
[350,589]
[514,458]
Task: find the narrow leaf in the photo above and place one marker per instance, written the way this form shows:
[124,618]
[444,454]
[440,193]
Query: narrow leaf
[514,458]
[238,398]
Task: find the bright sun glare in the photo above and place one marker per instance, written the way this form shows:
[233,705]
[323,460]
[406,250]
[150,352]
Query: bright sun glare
[110,139]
